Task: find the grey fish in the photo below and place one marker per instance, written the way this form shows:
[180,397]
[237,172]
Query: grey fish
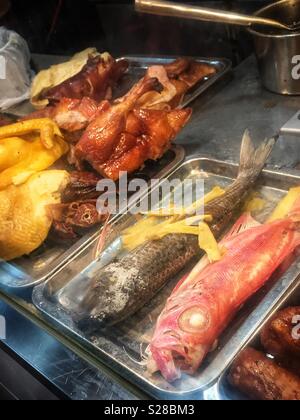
[123,287]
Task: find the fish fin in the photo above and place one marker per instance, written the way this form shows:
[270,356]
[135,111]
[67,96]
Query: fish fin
[252,161]
[245,222]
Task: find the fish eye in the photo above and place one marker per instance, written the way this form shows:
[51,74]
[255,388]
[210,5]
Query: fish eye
[193,320]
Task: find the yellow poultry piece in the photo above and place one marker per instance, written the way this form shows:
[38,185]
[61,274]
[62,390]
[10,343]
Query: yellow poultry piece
[24,220]
[47,128]
[20,158]
[28,147]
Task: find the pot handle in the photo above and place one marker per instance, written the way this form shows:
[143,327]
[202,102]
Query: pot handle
[167,8]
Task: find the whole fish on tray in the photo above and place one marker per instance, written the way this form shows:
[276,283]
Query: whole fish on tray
[204,303]
[123,287]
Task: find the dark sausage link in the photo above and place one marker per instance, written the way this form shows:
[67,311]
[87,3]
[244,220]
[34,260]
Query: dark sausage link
[277,337]
[261,378]
[280,339]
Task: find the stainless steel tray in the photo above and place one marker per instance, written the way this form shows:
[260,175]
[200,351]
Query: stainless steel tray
[222,390]
[49,258]
[120,347]
[138,65]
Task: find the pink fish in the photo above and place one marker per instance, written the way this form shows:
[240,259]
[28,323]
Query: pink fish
[203,304]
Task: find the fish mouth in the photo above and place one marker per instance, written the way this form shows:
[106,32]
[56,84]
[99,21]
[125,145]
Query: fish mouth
[166,362]
[171,360]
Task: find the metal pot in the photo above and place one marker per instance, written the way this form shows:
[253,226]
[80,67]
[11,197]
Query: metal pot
[278,52]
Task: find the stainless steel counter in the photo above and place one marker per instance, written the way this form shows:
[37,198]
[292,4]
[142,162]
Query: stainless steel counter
[216,129]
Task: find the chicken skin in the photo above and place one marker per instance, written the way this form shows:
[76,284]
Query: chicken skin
[123,137]
[95,81]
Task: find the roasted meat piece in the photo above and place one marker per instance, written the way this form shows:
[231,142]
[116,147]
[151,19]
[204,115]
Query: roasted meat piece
[123,137]
[95,81]
[157,129]
[177,78]
[78,211]
[279,338]
[261,378]
[82,186]
[71,115]
[71,220]
[24,221]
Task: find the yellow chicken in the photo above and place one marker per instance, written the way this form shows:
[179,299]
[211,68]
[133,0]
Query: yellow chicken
[28,147]
[24,220]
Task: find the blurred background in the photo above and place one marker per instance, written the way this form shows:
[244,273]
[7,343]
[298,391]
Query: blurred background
[63,27]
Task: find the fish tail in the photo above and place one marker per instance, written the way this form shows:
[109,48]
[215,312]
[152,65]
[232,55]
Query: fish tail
[252,161]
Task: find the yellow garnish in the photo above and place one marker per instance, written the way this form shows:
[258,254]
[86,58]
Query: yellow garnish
[285,205]
[138,234]
[151,227]
[216,192]
[254,204]
[208,243]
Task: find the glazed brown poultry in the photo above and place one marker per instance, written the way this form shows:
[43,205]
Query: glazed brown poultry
[95,81]
[82,186]
[70,115]
[123,138]
[71,220]
[151,136]
[74,115]
[78,211]
[261,378]
[177,79]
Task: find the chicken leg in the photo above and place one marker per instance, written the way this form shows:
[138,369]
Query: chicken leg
[103,135]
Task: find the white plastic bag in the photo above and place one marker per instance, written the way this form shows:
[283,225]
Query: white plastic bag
[15,73]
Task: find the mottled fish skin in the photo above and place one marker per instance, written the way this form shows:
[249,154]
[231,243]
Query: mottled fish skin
[122,288]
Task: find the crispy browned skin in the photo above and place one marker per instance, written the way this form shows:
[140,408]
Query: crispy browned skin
[95,81]
[122,138]
[279,340]
[156,131]
[187,79]
[78,211]
[72,220]
[260,378]
[71,115]
[184,74]
[177,67]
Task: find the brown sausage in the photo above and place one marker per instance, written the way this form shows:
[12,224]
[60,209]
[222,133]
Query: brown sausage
[261,378]
[280,338]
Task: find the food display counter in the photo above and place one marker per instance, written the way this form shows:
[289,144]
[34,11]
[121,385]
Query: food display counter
[70,364]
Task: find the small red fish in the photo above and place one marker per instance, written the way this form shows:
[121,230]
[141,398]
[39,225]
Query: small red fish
[204,303]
